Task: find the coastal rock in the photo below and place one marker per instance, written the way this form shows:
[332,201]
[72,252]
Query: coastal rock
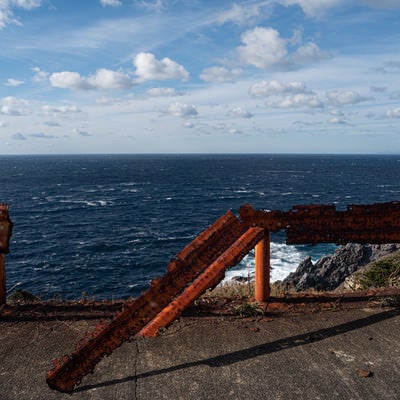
[331,270]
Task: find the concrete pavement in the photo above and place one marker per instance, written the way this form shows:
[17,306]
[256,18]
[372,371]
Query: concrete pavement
[321,355]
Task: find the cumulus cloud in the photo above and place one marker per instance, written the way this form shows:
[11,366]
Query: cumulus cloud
[274,87]
[344,97]
[337,121]
[149,68]
[39,75]
[309,52]
[313,8]
[220,74]
[299,101]
[394,113]
[240,112]
[13,106]
[103,79]
[13,82]
[163,92]
[242,14]
[262,48]
[181,110]
[56,110]
[111,3]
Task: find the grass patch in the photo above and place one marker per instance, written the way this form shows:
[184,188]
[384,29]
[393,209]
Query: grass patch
[246,310]
[382,273]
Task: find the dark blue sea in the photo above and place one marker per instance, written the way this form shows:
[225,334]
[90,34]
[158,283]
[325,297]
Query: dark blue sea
[105,225]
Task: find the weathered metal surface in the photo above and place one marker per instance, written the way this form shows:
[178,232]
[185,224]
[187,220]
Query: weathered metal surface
[5,228]
[212,275]
[376,223]
[262,268]
[5,234]
[182,270]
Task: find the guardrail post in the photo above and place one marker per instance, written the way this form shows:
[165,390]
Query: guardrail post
[263,269]
[2,279]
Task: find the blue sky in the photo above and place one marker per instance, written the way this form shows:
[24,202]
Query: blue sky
[196,76]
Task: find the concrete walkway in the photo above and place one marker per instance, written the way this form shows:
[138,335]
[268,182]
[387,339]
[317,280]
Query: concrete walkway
[312,356]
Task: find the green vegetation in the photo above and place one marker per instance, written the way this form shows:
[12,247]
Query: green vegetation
[382,273]
[21,296]
[246,310]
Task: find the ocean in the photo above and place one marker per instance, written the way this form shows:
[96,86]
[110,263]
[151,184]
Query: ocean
[103,226]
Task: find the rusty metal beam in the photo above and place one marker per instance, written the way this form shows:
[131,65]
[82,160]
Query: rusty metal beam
[376,223]
[212,275]
[5,234]
[182,270]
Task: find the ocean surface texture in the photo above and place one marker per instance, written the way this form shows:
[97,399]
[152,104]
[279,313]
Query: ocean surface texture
[104,226]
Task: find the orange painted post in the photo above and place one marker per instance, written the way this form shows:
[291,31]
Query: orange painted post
[263,269]
[2,280]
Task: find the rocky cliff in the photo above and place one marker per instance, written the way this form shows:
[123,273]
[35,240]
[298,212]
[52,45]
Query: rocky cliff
[330,271]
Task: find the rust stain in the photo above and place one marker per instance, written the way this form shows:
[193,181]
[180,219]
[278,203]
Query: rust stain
[182,270]
[5,228]
[202,264]
[311,224]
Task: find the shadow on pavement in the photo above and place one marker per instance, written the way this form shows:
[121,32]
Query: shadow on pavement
[259,350]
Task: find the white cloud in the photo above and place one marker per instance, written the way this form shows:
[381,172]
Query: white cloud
[163,92]
[241,14]
[313,8]
[240,112]
[13,82]
[337,121]
[263,48]
[220,74]
[310,52]
[149,68]
[56,110]
[112,3]
[182,110]
[344,97]
[188,124]
[102,79]
[394,113]
[108,79]
[13,106]
[39,75]
[273,88]
[79,132]
[7,6]
[70,80]
[3,124]
[299,101]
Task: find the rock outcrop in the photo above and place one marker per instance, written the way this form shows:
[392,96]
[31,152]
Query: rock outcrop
[331,270]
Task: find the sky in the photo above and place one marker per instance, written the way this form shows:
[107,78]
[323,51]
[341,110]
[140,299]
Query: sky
[199,76]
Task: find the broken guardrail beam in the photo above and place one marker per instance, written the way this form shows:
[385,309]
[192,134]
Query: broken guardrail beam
[182,270]
[311,224]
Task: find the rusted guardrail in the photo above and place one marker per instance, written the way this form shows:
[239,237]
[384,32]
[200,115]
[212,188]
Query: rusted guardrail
[5,234]
[203,262]
[190,264]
